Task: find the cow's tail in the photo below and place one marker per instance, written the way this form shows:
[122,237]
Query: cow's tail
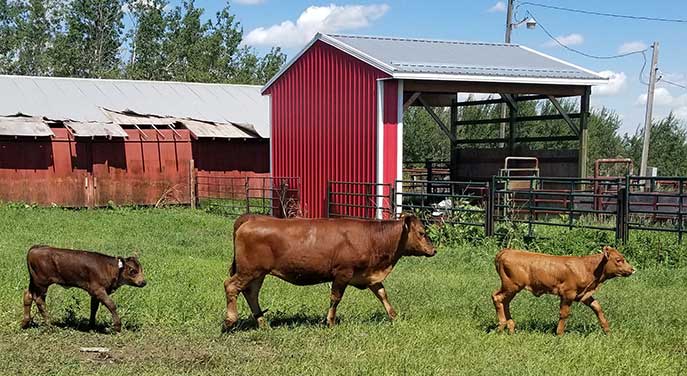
[498,259]
[32,272]
[238,223]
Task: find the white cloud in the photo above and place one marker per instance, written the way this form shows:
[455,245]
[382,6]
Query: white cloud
[499,7]
[141,3]
[249,2]
[568,40]
[616,83]
[631,47]
[663,98]
[326,19]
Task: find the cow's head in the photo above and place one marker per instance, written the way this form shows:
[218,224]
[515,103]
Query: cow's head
[417,243]
[131,272]
[616,265]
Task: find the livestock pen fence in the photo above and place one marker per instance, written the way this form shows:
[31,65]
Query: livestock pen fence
[231,195]
[618,205]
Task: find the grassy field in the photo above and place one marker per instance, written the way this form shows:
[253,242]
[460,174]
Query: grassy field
[172,326]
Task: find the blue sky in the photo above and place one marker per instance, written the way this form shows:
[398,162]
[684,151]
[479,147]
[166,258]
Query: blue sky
[291,22]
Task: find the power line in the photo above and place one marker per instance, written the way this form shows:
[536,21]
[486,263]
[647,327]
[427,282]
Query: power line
[643,18]
[584,53]
[672,83]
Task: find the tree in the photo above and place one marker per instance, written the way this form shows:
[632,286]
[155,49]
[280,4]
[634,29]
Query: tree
[146,39]
[90,46]
[9,13]
[668,146]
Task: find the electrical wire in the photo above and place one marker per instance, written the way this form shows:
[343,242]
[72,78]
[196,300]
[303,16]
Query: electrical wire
[672,83]
[595,13]
[584,53]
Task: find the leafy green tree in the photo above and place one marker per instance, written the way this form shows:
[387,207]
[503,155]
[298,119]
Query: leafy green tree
[35,35]
[90,46]
[9,13]
[146,38]
[668,146]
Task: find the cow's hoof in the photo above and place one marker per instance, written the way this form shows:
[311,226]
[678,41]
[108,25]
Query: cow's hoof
[511,326]
[25,324]
[227,326]
[117,328]
[262,323]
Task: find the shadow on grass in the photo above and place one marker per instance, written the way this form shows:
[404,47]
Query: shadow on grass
[544,327]
[82,324]
[286,320]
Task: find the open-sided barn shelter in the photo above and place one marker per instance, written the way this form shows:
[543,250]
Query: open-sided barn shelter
[337,108]
[89,142]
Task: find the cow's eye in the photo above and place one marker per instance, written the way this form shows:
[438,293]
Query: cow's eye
[132,272]
[619,260]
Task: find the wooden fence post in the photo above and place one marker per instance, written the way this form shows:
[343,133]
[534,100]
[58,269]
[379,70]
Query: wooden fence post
[192,182]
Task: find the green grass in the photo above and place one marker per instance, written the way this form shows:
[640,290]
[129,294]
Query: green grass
[172,326]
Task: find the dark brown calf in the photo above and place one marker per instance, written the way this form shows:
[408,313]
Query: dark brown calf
[311,251]
[100,275]
[572,278]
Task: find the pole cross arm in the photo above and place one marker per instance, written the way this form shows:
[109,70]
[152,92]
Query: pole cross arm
[436,118]
[564,114]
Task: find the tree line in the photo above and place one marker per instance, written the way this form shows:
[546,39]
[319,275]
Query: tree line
[133,39]
[424,140]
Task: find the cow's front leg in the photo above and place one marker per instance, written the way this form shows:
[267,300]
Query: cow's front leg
[107,302]
[337,292]
[564,314]
[95,303]
[596,307]
[380,293]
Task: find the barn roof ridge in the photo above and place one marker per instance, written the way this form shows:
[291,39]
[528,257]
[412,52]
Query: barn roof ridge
[422,40]
[447,60]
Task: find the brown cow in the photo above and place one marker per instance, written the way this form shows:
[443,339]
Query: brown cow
[100,275]
[572,278]
[311,251]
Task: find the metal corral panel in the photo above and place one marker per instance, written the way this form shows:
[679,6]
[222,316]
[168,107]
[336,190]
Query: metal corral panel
[324,123]
[201,129]
[83,100]
[95,129]
[24,127]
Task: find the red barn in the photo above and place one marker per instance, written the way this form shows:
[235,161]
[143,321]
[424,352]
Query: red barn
[89,142]
[337,108]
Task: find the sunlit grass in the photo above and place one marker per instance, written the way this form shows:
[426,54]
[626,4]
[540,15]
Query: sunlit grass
[445,326]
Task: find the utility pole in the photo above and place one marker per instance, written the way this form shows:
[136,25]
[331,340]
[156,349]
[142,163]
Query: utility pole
[509,30]
[649,108]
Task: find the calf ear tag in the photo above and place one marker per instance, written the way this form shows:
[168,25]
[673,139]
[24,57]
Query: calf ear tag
[120,263]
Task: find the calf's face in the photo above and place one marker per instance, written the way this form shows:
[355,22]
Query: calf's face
[132,272]
[616,265]
[417,243]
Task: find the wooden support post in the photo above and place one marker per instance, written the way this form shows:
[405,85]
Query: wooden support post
[512,119]
[192,182]
[454,141]
[584,132]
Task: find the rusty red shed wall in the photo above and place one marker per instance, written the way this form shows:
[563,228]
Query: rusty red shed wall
[324,122]
[138,170]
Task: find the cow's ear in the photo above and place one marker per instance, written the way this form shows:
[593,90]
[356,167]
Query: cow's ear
[407,220]
[605,251]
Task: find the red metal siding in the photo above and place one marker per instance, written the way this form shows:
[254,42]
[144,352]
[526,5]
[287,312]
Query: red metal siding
[138,170]
[390,138]
[324,123]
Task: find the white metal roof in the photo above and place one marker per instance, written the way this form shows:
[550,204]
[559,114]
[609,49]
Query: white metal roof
[83,100]
[24,127]
[201,129]
[95,129]
[428,59]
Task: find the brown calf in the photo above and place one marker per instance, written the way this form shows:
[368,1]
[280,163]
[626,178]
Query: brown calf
[100,275]
[311,251]
[572,278]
